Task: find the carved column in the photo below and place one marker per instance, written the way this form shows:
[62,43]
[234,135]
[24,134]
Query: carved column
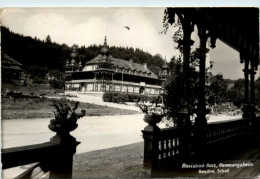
[246,73]
[252,83]
[252,89]
[185,43]
[245,109]
[201,121]
[202,50]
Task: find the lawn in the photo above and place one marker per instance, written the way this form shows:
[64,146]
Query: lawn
[28,108]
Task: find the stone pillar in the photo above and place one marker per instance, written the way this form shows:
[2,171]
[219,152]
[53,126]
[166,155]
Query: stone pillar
[62,161]
[151,144]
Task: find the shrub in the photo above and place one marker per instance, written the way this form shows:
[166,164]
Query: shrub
[155,99]
[125,98]
[107,97]
[134,97]
[116,97]
[144,98]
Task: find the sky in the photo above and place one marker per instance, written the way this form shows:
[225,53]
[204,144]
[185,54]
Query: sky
[129,3]
[86,26]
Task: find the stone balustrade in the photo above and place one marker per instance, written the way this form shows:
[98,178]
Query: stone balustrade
[173,146]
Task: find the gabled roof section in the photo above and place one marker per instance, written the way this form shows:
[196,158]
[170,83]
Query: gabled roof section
[8,61]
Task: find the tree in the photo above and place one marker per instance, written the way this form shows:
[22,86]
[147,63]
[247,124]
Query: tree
[173,91]
[240,85]
[234,96]
[236,93]
[55,83]
[217,90]
[48,39]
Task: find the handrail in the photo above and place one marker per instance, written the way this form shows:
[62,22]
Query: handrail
[12,157]
[226,121]
[55,157]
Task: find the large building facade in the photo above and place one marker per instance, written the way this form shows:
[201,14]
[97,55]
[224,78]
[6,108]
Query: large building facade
[105,73]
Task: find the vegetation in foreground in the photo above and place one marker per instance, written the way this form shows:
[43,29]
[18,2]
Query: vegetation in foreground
[29,108]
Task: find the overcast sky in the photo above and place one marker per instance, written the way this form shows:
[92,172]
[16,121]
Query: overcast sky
[86,26]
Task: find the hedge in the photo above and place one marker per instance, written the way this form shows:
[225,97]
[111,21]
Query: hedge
[116,97]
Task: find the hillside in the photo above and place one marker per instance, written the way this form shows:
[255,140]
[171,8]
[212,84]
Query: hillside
[40,57]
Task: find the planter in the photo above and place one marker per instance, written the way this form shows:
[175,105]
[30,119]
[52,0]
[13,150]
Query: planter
[152,119]
[63,126]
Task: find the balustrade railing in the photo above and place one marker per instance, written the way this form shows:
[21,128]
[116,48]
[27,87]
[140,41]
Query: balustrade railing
[169,144]
[176,145]
[163,145]
[223,131]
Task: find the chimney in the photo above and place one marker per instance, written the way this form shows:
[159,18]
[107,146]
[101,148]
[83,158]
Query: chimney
[145,66]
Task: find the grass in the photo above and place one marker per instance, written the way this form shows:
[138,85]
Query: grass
[37,89]
[28,108]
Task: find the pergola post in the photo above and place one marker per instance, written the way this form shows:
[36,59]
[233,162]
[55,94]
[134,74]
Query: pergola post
[202,50]
[245,109]
[184,111]
[200,120]
[186,43]
[252,91]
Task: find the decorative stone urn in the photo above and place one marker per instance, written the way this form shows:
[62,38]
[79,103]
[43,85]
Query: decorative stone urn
[65,121]
[63,126]
[62,129]
[152,120]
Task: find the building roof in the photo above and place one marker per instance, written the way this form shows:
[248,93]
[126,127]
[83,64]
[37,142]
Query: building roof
[105,57]
[6,60]
[9,63]
[120,63]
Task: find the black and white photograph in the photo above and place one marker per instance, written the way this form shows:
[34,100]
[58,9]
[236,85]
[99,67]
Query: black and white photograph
[130,92]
